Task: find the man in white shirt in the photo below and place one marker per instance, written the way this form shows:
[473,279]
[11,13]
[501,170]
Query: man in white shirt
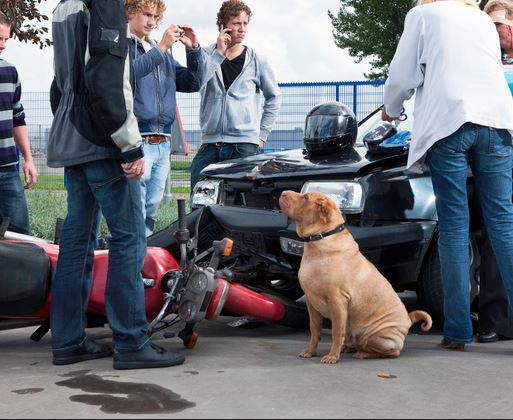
[449,54]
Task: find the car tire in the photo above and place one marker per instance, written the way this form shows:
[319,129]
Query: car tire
[296,312]
[430,291]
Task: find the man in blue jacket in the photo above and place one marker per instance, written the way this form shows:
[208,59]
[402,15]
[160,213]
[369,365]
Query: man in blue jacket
[236,82]
[158,77]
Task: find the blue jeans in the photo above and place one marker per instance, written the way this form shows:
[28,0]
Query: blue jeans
[13,203]
[90,185]
[218,152]
[153,182]
[488,152]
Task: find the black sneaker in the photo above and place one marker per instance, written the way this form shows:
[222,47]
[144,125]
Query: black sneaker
[150,356]
[88,351]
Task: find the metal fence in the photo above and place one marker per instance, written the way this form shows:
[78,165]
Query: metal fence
[297,100]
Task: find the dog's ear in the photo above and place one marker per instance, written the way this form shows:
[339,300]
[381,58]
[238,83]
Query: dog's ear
[324,209]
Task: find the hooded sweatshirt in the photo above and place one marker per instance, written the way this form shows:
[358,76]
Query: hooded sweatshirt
[237,115]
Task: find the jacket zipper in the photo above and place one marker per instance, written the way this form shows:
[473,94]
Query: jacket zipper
[226,91]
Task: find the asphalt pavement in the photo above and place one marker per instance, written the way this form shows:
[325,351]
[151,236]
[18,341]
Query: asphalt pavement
[252,371]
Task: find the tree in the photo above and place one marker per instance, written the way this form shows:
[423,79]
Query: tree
[370,29]
[24,14]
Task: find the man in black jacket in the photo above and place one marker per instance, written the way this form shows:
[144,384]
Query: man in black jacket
[95,137]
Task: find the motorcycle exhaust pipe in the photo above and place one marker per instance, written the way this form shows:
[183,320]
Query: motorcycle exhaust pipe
[240,300]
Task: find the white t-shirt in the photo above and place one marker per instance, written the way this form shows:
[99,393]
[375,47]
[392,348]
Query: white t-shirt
[450,54]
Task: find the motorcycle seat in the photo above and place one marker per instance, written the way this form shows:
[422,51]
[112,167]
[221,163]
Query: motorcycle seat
[25,277]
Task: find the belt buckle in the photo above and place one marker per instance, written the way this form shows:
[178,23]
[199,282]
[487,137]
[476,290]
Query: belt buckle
[155,139]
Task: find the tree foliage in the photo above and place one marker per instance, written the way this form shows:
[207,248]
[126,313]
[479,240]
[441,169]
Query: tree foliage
[29,24]
[370,29]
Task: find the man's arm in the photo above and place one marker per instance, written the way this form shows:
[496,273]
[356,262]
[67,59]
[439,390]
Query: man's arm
[188,79]
[406,69]
[107,77]
[21,139]
[272,95]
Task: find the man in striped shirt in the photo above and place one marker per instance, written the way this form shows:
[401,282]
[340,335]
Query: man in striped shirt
[13,132]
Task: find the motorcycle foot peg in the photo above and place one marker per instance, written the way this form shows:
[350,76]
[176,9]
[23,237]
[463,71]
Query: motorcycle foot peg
[189,338]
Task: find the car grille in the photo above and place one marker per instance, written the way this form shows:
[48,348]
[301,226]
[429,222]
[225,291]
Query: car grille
[256,196]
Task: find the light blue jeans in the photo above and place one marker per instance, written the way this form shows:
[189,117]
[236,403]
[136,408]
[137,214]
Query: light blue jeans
[89,185]
[488,152]
[153,182]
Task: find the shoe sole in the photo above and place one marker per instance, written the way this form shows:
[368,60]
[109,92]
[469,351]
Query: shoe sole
[122,365]
[59,361]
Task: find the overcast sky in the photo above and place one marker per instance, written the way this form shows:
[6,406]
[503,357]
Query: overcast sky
[295,36]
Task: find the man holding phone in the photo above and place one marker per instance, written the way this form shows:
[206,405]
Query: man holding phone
[233,122]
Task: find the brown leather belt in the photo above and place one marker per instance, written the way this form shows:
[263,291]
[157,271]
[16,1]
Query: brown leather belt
[155,139]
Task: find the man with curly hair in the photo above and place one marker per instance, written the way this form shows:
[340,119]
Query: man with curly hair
[158,77]
[233,122]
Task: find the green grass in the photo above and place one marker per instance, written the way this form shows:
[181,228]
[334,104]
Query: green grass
[46,206]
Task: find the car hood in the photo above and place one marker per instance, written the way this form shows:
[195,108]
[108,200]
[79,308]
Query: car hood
[293,163]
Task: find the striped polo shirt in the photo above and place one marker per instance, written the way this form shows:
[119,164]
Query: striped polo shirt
[11,112]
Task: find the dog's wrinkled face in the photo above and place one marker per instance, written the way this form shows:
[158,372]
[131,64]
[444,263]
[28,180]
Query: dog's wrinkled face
[309,209]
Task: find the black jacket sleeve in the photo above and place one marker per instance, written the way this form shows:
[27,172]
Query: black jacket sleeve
[108,75]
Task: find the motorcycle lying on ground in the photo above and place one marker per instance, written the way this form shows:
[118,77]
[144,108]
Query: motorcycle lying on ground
[179,290]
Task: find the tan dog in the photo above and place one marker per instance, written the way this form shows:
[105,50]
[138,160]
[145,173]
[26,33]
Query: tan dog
[367,316]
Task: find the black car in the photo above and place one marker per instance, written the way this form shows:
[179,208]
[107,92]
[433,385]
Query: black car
[389,210]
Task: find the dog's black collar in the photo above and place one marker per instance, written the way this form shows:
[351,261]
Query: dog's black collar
[325,234]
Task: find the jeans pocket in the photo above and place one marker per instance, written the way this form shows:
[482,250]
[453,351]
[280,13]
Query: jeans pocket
[98,184]
[246,149]
[500,143]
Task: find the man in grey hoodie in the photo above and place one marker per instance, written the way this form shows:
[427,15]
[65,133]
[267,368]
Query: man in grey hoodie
[233,122]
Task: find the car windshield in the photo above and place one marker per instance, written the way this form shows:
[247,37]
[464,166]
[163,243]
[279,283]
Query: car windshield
[374,120]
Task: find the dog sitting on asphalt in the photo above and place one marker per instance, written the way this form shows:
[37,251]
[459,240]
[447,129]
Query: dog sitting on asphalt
[367,317]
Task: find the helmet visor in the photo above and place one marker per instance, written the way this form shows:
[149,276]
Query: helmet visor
[319,127]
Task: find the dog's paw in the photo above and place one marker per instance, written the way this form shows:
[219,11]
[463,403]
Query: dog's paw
[330,359]
[307,354]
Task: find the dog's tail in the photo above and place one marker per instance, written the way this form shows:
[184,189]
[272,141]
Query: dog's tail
[417,316]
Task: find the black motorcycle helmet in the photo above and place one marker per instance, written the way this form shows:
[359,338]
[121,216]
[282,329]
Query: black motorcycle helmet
[330,127]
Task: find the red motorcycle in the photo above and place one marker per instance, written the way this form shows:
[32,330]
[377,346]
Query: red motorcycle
[176,293]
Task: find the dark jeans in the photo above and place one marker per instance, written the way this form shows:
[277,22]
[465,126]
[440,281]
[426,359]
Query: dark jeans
[13,203]
[89,185]
[218,152]
[495,312]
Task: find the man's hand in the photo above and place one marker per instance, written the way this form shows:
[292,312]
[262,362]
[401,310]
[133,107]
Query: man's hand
[189,39]
[171,35]
[386,117]
[135,169]
[260,144]
[223,40]
[30,172]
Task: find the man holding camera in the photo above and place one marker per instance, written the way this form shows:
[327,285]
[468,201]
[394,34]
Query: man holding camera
[158,77]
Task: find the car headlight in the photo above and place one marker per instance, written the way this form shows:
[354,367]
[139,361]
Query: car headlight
[206,193]
[348,195]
